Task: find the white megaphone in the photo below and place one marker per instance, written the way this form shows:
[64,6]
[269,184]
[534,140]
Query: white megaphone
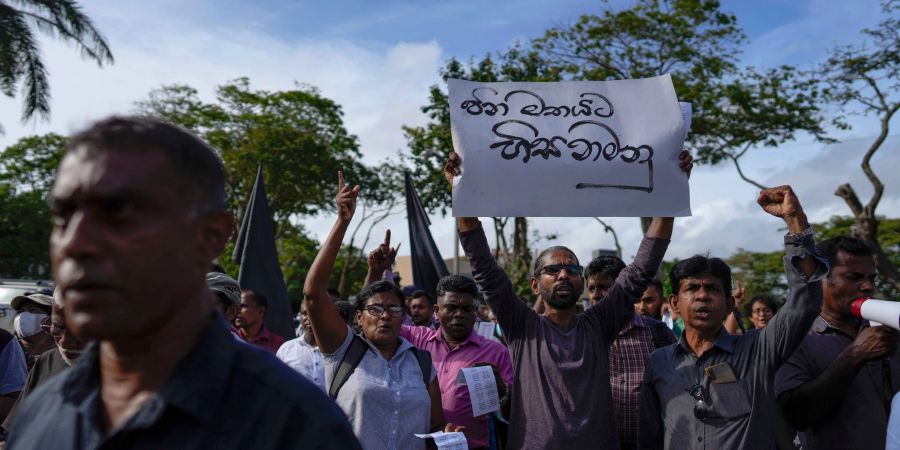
[877,312]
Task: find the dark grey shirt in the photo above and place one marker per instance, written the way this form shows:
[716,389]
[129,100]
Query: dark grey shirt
[48,365]
[862,420]
[561,397]
[742,412]
[224,395]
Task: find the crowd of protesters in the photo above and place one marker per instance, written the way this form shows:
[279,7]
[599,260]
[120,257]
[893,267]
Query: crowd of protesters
[147,344]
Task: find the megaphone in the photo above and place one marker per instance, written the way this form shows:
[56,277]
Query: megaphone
[877,312]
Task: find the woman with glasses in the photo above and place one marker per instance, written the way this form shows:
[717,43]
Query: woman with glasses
[385,396]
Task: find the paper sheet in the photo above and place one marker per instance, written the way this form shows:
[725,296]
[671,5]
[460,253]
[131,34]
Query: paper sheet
[447,441]
[486,330]
[482,389]
[569,149]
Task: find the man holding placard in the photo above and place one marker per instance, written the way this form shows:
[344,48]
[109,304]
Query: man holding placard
[561,395]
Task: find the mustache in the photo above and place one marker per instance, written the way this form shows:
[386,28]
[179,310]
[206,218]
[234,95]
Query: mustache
[563,284]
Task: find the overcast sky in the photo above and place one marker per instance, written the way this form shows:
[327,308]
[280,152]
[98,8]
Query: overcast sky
[378,59]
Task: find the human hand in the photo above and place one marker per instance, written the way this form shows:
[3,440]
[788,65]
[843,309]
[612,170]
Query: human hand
[685,162]
[382,258]
[738,294]
[782,202]
[345,199]
[452,428]
[452,168]
[876,342]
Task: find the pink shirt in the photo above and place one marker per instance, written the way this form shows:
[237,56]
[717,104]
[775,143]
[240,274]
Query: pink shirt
[449,362]
[265,339]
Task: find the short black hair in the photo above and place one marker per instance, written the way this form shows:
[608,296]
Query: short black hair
[539,261]
[258,297]
[829,248]
[699,265]
[197,167]
[655,282]
[605,265]
[422,294]
[770,302]
[377,287]
[334,292]
[345,309]
[456,283]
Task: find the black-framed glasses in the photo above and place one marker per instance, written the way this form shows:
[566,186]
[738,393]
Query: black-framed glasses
[701,408]
[378,310]
[553,269]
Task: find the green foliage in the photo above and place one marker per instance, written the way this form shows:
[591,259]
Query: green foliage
[760,273]
[888,238]
[20,53]
[27,170]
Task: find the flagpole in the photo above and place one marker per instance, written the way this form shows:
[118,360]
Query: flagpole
[455,246]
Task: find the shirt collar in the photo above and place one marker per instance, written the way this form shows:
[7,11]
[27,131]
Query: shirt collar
[474,338]
[196,386]
[262,336]
[821,326]
[404,346]
[724,341]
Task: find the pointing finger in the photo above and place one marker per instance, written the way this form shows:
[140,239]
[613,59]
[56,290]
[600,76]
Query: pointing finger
[340,180]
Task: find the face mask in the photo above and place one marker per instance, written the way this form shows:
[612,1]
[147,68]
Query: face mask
[28,324]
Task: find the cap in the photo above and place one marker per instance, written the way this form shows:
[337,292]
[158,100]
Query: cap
[219,282]
[40,299]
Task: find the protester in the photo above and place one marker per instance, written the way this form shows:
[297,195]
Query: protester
[455,345]
[54,361]
[31,311]
[672,318]
[712,389]
[837,387]
[12,372]
[139,210]
[422,309]
[302,354]
[561,395]
[762,309]
[250,325]
[628,355]
[228,296]
[386,387]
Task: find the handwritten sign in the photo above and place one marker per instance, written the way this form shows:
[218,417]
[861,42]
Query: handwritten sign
[482,389]
[447,441]
[569,149]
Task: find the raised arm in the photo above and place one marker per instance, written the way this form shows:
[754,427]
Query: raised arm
[804,269]
[328,326]
[510,310]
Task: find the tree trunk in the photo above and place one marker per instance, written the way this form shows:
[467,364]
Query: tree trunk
[866,229]
[520,242]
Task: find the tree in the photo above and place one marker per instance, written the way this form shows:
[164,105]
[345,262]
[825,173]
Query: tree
[430,144]
[299,138]
[20,53]
[27,170]
[888,239]
[734,109]
[867,76]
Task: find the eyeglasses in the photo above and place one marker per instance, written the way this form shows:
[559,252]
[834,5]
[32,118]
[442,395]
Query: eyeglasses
[701,409]
[553,269]
[51,329]
[378,310]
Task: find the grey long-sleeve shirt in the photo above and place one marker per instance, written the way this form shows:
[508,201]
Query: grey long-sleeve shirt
[742,412]
[561,397]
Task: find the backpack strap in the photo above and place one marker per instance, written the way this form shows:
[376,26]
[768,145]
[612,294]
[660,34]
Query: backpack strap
[658,331]
[424,358]
[352,357]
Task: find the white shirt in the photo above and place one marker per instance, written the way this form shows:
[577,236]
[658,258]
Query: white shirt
[305,359]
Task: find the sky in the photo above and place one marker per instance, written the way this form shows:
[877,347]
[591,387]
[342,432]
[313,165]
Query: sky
[377,59]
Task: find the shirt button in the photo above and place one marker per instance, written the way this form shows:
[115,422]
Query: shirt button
[699,438]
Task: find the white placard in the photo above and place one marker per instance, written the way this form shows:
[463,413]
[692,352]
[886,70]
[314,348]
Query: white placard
[486,329]
[482,389]
[569,149]
[447,441]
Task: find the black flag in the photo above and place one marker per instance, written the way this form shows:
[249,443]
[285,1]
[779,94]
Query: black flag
[427,264]
[256,253]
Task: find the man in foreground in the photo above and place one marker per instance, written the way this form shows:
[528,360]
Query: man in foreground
[139,211]
[712,389]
